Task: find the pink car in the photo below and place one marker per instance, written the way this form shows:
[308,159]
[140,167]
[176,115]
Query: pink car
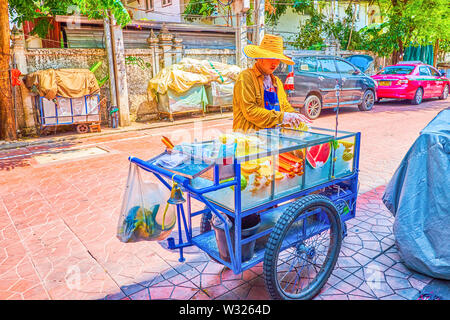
[411,80]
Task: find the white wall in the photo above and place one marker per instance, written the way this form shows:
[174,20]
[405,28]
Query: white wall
[164,14]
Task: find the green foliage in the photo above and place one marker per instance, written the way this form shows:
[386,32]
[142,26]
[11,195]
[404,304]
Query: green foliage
[200,9]
[408,23]
[40,11]
[138,61]
[318,27]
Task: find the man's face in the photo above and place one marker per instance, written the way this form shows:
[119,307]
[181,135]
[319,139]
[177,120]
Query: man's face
[267,66]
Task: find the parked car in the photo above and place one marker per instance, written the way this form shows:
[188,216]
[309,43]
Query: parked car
[315,80]
[363,62]
[412,80]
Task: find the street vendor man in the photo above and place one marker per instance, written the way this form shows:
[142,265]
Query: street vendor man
[259,99]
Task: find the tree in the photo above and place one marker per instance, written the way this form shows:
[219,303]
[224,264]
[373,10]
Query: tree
[7,124]
[39,12]
[408,23]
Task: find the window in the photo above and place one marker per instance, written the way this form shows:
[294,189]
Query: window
[434,72]
[327,65]
[166,3]
[397,70]
[424,71]
[344,67]
[307,64]
[149,5]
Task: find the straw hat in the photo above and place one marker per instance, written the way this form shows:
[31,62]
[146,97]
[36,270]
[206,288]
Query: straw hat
[271,47]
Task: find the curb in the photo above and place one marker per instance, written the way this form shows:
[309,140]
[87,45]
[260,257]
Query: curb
[71,137]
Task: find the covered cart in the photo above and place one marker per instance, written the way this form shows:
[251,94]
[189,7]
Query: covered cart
[66,97]
[302,184]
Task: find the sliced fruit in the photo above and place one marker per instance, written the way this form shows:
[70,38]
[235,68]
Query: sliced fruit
[347,156]
[279,175]
[318,153]
[243,182]
[250,167]
[346,144]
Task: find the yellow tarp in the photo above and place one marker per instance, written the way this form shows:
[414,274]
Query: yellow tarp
[189,72]
[67,83]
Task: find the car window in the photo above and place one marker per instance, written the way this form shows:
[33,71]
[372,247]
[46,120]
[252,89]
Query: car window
[397,70]
[307,64]
[424,71]
[327,65]
[434,72]
[344,67]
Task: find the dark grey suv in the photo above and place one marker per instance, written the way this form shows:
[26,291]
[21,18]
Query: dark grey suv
[315,80]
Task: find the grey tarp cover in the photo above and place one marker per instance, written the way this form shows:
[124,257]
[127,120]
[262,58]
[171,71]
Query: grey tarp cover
[418,195]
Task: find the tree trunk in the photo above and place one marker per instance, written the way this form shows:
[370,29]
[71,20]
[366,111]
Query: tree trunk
[7,123]
[435,52]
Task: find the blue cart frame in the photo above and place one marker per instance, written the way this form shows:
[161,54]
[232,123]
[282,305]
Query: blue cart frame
[347,192]
[42,117]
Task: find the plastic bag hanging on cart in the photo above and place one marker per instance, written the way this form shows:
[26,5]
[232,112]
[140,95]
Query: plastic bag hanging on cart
[143,216]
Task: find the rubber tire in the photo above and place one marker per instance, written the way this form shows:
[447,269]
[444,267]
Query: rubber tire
[444,95]
[276,238]
[414,101]
[307,101]
[363,106]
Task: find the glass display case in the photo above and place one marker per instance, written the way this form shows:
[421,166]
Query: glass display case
[273,163]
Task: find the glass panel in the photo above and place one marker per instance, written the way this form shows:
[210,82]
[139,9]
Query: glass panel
[327,65]
[307,64]
[344,154]
[344,67]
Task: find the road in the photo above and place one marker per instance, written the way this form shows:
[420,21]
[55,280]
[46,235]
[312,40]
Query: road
[59,206]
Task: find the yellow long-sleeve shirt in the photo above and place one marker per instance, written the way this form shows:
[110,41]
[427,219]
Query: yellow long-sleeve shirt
[248,102]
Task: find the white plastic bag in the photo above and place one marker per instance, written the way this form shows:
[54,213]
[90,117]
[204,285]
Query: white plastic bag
[143,216]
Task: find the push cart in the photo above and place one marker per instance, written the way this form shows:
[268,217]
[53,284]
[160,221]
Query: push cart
[302,215]
[83,112]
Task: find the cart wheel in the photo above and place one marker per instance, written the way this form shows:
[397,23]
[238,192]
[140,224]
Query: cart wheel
[82,128]
[302,249]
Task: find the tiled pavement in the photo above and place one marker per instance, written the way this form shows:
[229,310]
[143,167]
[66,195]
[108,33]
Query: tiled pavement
[58,224]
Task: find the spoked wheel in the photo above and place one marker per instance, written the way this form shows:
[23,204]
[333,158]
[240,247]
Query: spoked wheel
[418,97]
[444,94]
[82,128]
[302,249]
[368,101]
[313,107]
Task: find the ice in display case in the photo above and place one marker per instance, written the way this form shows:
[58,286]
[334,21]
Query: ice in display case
[260,155]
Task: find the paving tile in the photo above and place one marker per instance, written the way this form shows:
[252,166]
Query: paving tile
[409,294]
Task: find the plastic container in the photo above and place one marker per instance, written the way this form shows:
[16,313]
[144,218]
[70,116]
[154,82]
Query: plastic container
[247,249]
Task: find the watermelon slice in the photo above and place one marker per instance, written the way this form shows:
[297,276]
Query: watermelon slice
[318,154]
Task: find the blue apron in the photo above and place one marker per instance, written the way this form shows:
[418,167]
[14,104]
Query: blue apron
[271,100]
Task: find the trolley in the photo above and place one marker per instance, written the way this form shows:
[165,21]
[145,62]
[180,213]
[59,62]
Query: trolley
[302,218]
[84,112]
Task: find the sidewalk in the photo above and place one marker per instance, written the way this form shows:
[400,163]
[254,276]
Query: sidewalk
[135,126]
[59,206]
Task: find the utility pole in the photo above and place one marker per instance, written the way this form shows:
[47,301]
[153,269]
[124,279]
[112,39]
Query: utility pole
[259,23]
[7,122]
[120,72]
[240,8]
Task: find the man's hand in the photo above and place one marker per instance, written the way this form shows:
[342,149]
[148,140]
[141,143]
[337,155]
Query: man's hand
[294,119]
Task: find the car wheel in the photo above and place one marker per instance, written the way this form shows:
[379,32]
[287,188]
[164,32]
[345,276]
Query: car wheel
[444,94]
[368,101]
[313,107]
[418,97]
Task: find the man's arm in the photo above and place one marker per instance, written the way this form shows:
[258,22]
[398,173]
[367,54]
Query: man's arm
[252,111]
